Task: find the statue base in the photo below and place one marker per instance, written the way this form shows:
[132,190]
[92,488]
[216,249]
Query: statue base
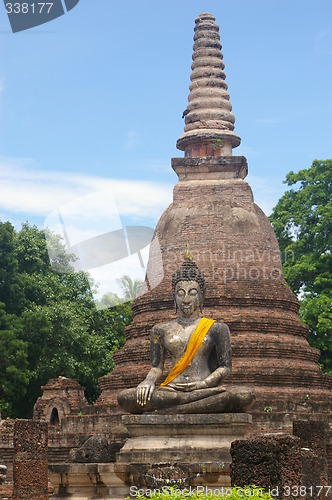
[188,450]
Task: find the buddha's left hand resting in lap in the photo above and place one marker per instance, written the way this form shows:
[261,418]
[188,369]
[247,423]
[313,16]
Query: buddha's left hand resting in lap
[200,351]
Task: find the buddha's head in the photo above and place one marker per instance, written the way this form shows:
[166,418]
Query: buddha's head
[188,288]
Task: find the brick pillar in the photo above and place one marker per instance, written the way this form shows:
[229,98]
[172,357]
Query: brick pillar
[272,462]
[30,467]
[312,434]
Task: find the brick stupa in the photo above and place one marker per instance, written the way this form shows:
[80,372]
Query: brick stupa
[235,246]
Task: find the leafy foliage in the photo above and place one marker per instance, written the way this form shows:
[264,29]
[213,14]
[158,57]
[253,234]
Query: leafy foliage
[130,287]
[49,325]
[302,220]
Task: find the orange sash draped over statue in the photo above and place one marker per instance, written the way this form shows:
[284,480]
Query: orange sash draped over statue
[193,345]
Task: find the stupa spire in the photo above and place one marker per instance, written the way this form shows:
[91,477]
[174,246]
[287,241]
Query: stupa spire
[209,129]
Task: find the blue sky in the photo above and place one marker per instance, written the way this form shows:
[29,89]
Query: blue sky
[96,96]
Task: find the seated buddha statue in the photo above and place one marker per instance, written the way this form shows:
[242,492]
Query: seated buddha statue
[200,351]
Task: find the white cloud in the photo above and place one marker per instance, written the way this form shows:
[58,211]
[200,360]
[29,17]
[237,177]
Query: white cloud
[31,191]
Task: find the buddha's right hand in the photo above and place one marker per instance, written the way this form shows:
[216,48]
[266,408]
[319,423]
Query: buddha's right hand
[144,392]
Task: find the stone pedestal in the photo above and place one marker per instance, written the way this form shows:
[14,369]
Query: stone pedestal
[86,481]
[197,446]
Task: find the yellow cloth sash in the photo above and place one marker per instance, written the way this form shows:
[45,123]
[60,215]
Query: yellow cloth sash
[193,345]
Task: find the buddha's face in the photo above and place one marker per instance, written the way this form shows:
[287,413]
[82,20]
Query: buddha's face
[187,298]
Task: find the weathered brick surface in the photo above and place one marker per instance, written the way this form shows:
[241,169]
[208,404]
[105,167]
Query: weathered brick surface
[6,491]
[6,445]
[314,472]
[63,394]
[30,440]
[30,467]
[312,434]
[30,476]
[270,462]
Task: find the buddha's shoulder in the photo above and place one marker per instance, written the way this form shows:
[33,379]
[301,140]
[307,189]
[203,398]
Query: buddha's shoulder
[219,327]
[163,327]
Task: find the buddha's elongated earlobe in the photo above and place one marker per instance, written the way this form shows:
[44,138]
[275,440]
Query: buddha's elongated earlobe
[201,300]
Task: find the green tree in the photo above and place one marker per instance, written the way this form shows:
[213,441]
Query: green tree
[130,287]
[14,369]
[111,299]
[49,320]
[302,220]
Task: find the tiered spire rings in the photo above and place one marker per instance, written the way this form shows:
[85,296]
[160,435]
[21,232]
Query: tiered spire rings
[209,129]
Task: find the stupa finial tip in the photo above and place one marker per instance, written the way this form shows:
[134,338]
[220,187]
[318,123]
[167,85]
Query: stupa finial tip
[188,253]
[204,16]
